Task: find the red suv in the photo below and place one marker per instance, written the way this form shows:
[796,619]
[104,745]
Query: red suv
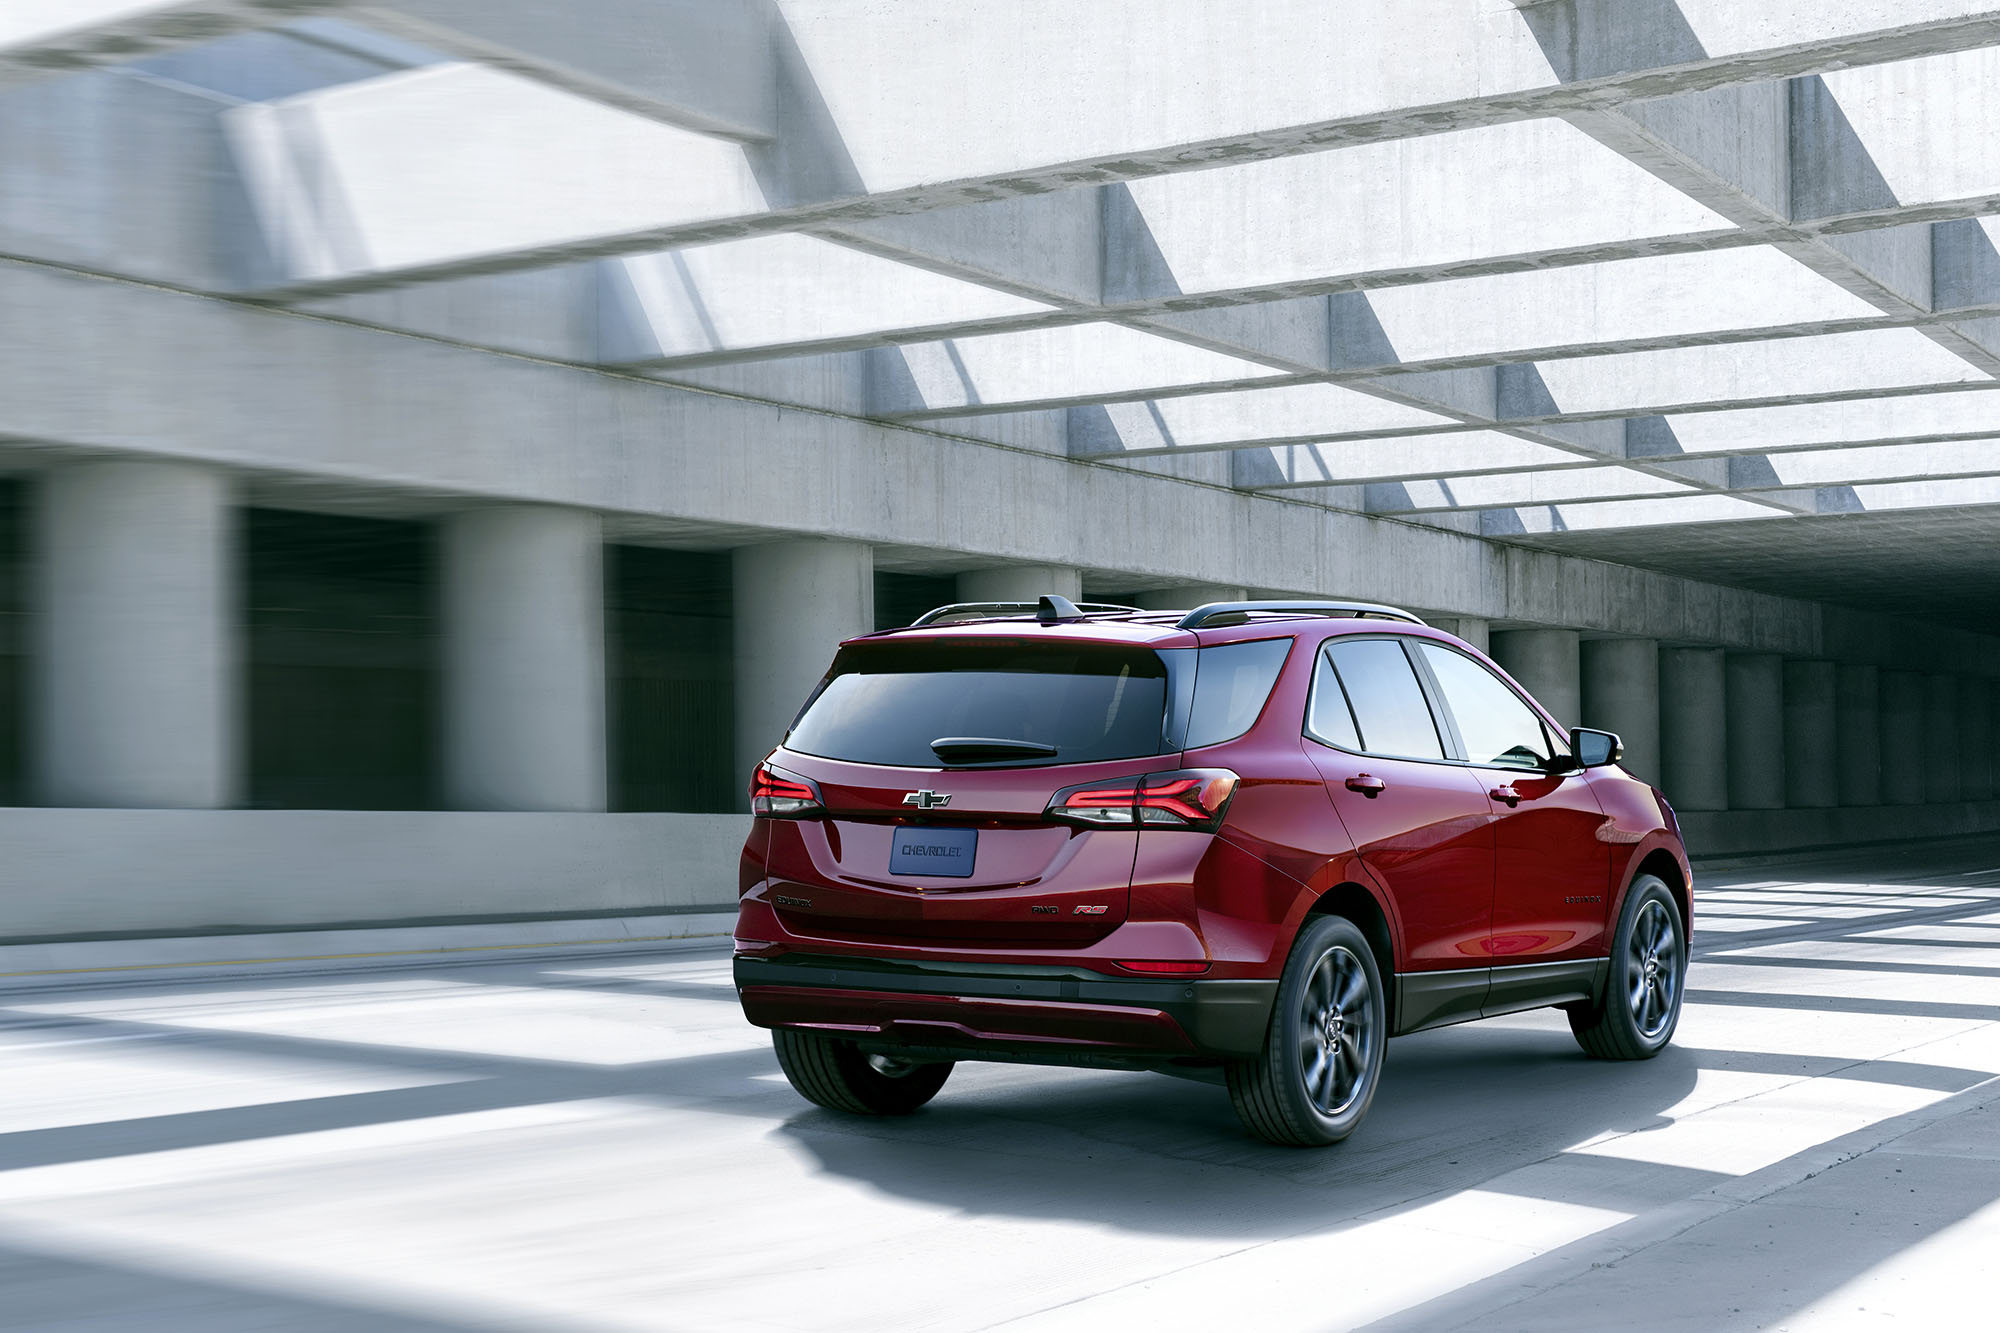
[1258,838]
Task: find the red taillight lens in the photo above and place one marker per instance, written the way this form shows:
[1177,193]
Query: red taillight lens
[1105,804]
[1189,798]
[783,795]
[1162,967]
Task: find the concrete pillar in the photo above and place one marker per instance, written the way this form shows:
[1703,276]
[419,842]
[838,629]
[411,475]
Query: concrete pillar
[1694,759]
[1858,722]
[1621,693]
[1020,583]
[1975,728]
[1941,778]
[1812,767]
[1547,664]
[795,602]
[1993,739]
[1902,738]
[524,659]
[1470,628]
[1755,687]
[1187,596]
[138,675]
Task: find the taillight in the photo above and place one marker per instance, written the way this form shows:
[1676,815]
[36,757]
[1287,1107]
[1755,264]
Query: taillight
[1187,798]
[783,795]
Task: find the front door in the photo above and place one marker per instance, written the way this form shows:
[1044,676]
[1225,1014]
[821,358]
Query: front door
[1552,871]
[1419,821]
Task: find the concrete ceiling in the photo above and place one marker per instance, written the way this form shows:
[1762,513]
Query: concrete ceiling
[1694,284]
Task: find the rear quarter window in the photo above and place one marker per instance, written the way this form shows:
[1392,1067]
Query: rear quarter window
[1231,683]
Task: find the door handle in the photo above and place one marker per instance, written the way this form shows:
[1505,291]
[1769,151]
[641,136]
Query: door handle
[1368,786]
[1506,795]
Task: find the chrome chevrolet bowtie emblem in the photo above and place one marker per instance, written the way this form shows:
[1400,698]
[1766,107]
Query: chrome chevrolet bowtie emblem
[928,800]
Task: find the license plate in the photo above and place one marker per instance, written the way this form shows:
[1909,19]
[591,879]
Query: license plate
[944,852]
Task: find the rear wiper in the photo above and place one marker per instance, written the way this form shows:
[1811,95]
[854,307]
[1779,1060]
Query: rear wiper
[972,749]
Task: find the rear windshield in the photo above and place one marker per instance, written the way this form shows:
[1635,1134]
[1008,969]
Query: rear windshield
[885,704]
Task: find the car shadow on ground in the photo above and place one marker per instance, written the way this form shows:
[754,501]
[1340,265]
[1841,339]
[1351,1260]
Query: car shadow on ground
[1149,1153]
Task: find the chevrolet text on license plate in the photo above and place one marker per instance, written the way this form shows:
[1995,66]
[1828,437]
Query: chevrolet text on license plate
[947,852]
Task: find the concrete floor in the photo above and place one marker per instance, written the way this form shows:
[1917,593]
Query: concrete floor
[598,1141]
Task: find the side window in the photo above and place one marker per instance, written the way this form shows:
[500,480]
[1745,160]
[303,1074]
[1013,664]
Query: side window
[1390,710]
[1328,718]
[1231,683]
[1497,727]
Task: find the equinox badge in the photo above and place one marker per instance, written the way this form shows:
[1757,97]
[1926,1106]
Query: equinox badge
[928,800]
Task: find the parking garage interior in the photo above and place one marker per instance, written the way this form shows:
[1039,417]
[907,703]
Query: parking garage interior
[441,444]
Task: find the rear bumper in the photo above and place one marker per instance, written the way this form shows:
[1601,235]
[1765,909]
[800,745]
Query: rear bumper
[1000,1009]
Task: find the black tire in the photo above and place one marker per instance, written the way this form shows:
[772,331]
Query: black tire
[1635,1017]
[1322,1058]
[840,1076]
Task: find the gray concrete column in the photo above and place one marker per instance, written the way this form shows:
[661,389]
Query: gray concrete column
[1694,759]
[1812,768]
[1020,583]
[1546,662]
[1755,687]
[795,602]
[1621,693]
[524,659]
[1187,596]
[1993,737]
[1858,720]
[1470,628]
[138,674]
[1941,777]
[1975,729]
[1902,738]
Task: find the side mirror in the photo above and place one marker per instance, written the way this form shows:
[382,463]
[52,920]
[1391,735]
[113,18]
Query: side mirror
[1595,749]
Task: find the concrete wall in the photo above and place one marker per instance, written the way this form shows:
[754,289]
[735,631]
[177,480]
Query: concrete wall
[1716,833]
[97,873]
[110,872]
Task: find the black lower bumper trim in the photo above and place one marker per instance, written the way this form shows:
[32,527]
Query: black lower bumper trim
[1225,1018]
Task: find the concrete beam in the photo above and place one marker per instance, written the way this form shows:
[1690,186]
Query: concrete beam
[428,425]
[37,46]
[704,65]
[853,147]
[1770,372]
[1678,299]
[1747,476]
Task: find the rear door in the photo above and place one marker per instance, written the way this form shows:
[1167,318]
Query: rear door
[1552,869]
[1419,820]
[926,834]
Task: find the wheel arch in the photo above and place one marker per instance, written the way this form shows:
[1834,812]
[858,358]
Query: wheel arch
[1661,863]
[1359,904]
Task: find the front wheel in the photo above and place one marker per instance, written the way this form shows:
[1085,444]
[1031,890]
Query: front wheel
[840,1076]
[1635,1017]
[1322,1056]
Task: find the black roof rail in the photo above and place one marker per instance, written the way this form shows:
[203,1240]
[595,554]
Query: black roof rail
[1201,615]
[1050,609]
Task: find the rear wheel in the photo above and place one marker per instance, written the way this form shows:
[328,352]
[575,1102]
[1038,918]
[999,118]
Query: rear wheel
[840,1076]
[1635,1017]
[1313,1081]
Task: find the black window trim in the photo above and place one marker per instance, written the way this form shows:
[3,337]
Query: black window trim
[1447,733]
[1442,705]
[1441,716]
